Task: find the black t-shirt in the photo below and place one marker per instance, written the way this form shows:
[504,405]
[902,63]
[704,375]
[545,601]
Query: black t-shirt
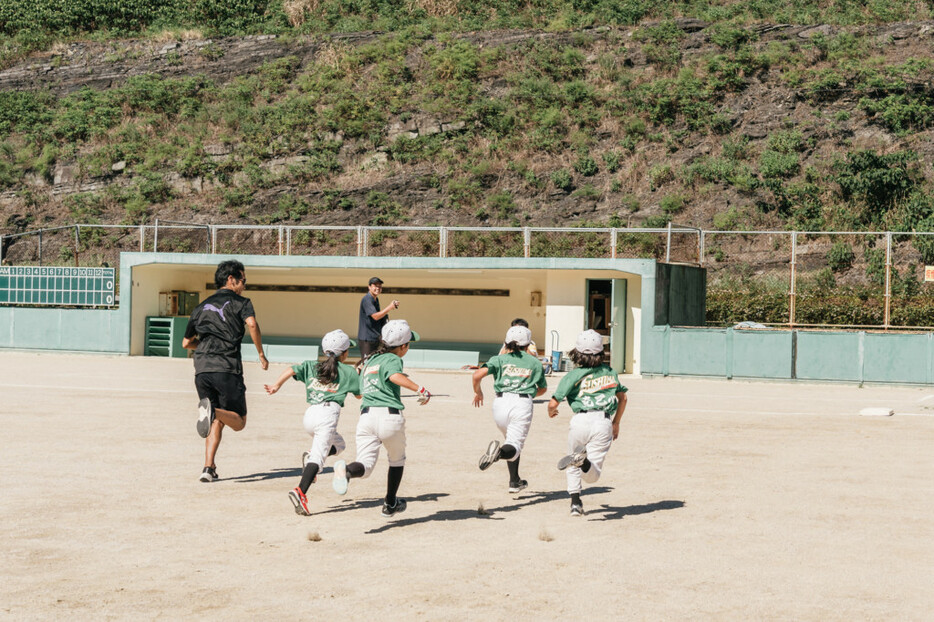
[219,324]
[369,329]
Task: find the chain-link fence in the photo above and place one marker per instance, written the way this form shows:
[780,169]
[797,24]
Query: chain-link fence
[847,279]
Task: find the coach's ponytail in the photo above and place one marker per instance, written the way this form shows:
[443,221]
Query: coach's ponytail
[327,371]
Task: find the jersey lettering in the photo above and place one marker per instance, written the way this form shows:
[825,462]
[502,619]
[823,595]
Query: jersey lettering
[514,370]
[595,384]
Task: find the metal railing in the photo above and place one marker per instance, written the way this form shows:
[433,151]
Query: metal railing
[796,266]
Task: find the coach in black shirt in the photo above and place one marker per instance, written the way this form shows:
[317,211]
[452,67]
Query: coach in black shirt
[215,332]
[371,318]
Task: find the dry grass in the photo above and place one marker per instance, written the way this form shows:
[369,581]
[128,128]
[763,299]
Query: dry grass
[296,10]
[313,536]
[178,35]
[435,8]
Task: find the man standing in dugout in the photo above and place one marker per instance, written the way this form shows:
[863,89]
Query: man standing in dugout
[215,332]
[372,319]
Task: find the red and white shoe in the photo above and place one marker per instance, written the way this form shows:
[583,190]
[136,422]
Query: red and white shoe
[300,501]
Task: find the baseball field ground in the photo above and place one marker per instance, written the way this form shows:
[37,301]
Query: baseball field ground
[722,500]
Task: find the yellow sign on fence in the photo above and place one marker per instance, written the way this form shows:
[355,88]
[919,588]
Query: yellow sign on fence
[928,273]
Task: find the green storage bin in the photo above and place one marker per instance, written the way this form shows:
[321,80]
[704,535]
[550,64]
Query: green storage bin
[164,336]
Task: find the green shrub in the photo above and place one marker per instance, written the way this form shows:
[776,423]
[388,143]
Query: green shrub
[586,166]
[840,257]
[876,181]
[659,175]
[611,161]
[563,180]
[456,61]
[672,203]
[777,165]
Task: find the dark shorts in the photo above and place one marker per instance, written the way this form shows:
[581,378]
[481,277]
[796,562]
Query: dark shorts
[225,390]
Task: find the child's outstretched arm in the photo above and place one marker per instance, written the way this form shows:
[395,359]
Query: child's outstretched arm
[621,400]
[403,381]
[477,391]
[272,388]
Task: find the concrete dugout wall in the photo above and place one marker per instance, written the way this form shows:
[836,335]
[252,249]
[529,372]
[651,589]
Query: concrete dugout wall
[550,293]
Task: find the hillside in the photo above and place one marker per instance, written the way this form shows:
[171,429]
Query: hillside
[717,126]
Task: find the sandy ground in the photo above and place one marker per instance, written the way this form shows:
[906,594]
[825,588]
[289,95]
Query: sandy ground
[720,500]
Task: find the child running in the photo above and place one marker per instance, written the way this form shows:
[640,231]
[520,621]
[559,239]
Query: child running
[517,378]
[381,420]
[327,384]
[596,396]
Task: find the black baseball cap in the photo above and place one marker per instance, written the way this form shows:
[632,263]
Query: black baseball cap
[376,280]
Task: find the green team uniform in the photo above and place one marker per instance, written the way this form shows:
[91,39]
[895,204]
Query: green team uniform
[378,391]
[591,388]
[516,372]
[317,392]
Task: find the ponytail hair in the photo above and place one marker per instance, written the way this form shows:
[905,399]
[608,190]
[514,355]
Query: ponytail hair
[585,360]
[383,348]
[514,348]
[327,370]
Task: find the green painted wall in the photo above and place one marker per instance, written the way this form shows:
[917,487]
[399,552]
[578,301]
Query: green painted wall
[80,330]
[785,354]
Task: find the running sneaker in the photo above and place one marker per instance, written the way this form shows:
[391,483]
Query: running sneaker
[208,475]
[390,510]
[300,501]
[491,455]
[577,509]
[518,486]
[340,477]
[574,460]
[205,417]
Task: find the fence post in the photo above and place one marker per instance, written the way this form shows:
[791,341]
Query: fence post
[442,241]
[280,240]
[2,249]
[527,242]
[701,247]
[213,239]
[142,238]
[155,238]
[668,245]
[613,242]
[791,293]
[888,280]
[40,247]
[77,237]
[288,240]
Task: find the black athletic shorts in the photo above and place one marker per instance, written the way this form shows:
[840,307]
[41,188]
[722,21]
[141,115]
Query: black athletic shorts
[225,390]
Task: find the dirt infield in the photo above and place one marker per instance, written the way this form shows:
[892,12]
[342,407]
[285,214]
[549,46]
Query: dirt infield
[723,500]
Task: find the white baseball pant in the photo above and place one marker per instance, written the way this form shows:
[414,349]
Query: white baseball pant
[512,414]
[594,432]
[320,421]
[379,427]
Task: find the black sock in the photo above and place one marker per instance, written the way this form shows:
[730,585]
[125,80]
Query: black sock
[333,450]
[585,466]
[355,469]
[576,498]
[308,476]
[513,468]
[393,479]
[506,452]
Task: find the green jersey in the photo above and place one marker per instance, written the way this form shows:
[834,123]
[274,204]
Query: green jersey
[374,379]
[590,388]
[317,392]
[516,372]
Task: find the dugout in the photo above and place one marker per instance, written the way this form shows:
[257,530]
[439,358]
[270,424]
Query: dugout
[456,304]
